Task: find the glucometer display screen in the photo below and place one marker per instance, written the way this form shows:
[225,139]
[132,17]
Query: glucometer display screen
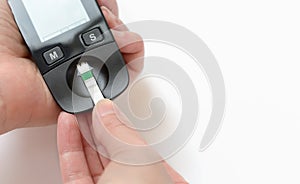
[51,18]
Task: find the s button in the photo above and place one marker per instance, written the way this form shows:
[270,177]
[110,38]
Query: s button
[92,37]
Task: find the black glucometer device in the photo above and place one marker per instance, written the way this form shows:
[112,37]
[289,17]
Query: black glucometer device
[62,33]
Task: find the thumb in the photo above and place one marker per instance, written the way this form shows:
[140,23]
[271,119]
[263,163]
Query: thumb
[116,140]
[108,119]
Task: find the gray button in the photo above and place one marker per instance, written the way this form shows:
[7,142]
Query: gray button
[92,37]
[53,55]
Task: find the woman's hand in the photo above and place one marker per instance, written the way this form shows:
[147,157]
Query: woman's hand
[81,164]
[25,100]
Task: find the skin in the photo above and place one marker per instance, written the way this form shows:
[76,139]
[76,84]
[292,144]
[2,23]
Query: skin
[81,164]
[25,101]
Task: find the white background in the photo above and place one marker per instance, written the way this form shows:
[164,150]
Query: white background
[257,45]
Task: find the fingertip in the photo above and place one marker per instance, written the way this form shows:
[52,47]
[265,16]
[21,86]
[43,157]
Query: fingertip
[66,124]
[62,116]
[112,20]
[106,12]
[73,162]
[68,133]
[65,118]
[104,102]
[104,107]
[111,5]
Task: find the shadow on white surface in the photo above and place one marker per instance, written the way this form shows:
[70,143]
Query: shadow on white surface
[29,156]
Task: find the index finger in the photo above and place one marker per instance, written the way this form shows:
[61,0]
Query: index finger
[112,5]
[73,163]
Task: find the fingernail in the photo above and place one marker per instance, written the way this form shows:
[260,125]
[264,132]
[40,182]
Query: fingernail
[104,108]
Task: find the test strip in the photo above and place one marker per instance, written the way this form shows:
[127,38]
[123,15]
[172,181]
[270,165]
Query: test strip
[86,73]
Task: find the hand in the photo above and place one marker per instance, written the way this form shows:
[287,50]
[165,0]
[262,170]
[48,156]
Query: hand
[25,100]
[81,164]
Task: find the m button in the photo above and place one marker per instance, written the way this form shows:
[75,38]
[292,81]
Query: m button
[53,55]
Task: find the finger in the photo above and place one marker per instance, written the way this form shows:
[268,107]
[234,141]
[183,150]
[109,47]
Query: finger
[93,161]
[110,128]
[86,129]
[73,164]
[106,113]
[128,42]
[96,163]
[104,160]
[112,20]
[112,5]
[132,47]
[131,44]
[123,144]
[176,177]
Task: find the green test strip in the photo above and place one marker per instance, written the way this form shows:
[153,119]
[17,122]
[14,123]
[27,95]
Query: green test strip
[87,75]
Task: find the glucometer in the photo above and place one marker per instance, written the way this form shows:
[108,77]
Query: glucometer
[74,50]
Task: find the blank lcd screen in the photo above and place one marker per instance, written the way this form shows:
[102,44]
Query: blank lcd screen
[51,18]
